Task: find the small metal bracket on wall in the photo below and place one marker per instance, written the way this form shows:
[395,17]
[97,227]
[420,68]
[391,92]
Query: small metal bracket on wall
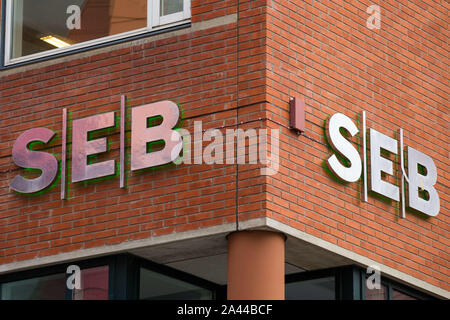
[297,115]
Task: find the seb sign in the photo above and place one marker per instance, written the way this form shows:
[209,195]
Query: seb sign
[82,147]
[422,173]
[346,164]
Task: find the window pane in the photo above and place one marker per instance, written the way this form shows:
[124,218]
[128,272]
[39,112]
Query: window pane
[43,288]
[376,294]
[171,6]
[156,286]
[48,24]
[94,284]
[398,295]
[315,289]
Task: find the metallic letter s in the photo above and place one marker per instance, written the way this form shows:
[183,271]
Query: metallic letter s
[344,147]
[26,158]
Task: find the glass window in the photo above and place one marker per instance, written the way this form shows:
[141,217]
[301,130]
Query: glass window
[94,284]
[156,286]
[171,6]
[52,287]
[398,295]
[376,294]
[47,24]
[315,289]
[45,27]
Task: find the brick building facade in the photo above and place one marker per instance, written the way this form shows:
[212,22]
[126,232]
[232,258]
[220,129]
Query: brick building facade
[237,64]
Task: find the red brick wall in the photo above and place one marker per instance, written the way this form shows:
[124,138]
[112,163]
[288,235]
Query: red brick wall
[251,89]
[197,70]
[323,52]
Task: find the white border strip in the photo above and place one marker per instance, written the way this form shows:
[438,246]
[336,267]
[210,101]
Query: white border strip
[63,153]
[123,104]
[364,156]
[8,12]
[404,176]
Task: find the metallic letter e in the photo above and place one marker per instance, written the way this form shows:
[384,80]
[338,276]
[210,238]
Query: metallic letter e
[82,148]
[380,164]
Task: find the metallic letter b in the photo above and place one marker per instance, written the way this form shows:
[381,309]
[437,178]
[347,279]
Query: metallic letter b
[424,182]
[141,135]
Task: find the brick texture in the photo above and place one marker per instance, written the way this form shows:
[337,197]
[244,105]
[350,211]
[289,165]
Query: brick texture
[322,52]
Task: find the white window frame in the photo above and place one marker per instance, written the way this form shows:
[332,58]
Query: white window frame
[160,20]
[154,22]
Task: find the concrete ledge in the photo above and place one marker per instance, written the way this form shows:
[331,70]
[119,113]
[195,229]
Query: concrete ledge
[114,249]
[129,245]
[359,259]
[223,230]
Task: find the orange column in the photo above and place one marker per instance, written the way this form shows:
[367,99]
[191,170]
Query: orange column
[255,265]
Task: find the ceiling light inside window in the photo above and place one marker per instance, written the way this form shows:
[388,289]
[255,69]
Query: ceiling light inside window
[58,43]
